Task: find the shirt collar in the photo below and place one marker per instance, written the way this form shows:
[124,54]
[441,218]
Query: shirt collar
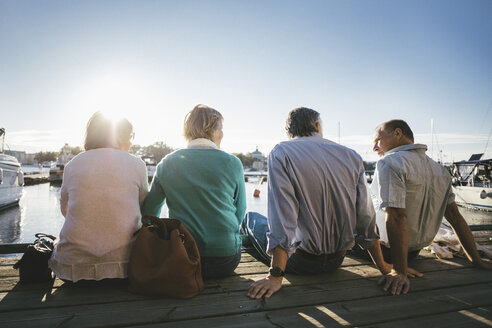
[313,135]
[202,143]
[410,147]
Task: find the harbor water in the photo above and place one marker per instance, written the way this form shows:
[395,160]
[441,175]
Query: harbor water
[39,211]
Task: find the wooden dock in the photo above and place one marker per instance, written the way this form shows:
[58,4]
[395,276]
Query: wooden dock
[451,294]
[36,178]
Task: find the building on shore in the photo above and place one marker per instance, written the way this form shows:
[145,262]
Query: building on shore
[259,160]
[22,156]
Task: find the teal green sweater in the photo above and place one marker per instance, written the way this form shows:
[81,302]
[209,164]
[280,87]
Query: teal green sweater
[204,189]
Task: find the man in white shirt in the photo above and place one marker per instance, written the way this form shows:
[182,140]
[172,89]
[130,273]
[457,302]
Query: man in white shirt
[416,193]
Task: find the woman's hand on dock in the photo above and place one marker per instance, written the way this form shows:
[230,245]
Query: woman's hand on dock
[265,287]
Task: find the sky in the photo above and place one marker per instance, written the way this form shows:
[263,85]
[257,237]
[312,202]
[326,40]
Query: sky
[358,63]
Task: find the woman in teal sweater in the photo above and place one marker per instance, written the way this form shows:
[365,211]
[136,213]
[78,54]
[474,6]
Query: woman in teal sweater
[204,189]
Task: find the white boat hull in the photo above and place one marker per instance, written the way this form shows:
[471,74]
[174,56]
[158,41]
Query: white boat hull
[10,196]
[11,180]
[471,197]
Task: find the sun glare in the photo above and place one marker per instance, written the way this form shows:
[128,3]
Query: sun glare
[135,97]
[116,96]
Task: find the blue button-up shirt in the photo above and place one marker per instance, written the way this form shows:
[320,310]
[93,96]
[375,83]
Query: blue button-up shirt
[317,197]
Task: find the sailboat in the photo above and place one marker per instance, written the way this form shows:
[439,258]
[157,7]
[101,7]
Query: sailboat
[471,182]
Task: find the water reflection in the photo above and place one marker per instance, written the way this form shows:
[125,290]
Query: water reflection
[38,211]
[10,221]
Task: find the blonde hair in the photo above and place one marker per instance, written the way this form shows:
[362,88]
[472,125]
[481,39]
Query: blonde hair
[202,122]
[99,132]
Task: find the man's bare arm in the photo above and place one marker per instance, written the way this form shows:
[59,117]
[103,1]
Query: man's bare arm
[462,230]
[377,258]
[270,284]
[396,224]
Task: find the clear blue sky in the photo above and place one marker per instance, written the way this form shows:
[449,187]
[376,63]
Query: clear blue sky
[356,62]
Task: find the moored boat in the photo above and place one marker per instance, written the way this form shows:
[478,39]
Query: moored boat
[471,182]
[11,177]
[151,165]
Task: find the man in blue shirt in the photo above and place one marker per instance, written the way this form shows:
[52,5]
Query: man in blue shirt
[317,199]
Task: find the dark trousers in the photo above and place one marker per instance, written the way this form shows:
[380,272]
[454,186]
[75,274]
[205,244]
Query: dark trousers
[364,254]
[221,266]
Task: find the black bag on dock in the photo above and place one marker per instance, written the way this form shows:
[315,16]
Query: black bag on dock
[33,266]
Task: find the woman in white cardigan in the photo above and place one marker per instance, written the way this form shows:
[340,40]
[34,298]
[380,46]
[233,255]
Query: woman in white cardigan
[101,195]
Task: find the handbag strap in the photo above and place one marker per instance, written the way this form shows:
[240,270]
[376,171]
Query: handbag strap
[40,235]
[155,224]
[162,227]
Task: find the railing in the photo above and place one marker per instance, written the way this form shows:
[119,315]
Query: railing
[13,248]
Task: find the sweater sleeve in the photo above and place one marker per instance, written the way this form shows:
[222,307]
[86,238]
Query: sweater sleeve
[155,198]
[240,193]
[143,188]
[64,194]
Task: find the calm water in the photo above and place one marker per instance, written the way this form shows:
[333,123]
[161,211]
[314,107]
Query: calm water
[39,211]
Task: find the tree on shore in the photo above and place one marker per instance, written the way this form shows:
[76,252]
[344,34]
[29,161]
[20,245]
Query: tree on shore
[46,156]
[158,150]
[246,159]
[76,150]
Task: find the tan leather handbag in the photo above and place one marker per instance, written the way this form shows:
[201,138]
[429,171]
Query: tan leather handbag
[164,260]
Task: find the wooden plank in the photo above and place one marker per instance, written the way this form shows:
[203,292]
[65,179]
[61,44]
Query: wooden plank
[8,260]
[257,270]
[449,304]
[12,248]
[367,311]
[480,317]
[163,310]
[386,309]
[8,271]
[244,268]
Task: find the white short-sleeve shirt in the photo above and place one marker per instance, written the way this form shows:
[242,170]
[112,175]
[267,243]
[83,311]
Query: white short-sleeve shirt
[407,178]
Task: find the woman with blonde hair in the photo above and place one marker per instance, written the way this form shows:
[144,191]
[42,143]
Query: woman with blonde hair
[100,198]
[204,188]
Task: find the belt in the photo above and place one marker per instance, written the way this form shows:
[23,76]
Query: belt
[319,258]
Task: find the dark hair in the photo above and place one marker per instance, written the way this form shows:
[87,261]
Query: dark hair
[99,132]
[301,122]
[392,125]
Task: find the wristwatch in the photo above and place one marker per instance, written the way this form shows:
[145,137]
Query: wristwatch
[277,272]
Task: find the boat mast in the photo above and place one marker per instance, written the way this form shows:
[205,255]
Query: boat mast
[2,135]
[487,143]
[432,138]
[338,132]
